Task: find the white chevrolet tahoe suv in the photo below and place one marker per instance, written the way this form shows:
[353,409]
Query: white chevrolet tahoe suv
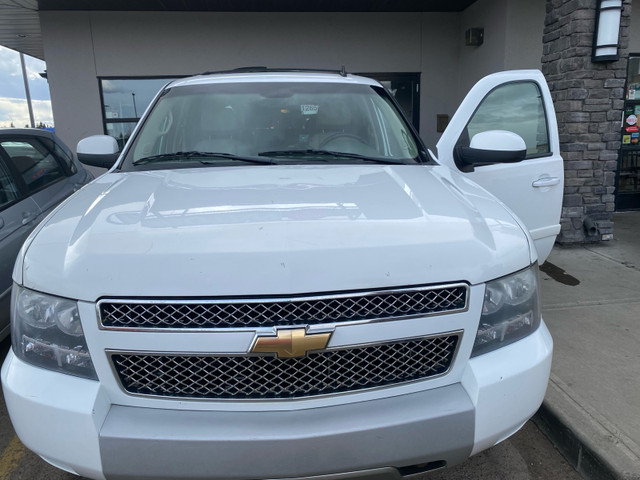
[277,280]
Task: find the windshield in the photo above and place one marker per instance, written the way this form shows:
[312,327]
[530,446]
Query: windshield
[280,123]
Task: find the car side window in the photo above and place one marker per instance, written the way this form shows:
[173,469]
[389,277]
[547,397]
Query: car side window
[8,188]
[517,107]
[61,153]
[37,165]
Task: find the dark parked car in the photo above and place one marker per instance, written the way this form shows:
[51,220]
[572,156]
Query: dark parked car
[37,171]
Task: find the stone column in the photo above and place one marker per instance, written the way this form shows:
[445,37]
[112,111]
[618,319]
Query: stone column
[589,103]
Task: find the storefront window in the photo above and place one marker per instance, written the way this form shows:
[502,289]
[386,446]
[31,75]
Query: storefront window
[628,188]
[405,87]
[121,131]
[124,100]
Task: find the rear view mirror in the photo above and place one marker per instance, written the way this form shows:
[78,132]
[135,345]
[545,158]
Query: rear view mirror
[98,151]
[493,146]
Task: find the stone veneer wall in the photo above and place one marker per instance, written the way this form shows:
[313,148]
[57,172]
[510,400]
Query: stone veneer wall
[589,101]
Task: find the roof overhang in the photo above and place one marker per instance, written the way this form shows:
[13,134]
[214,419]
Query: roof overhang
[20,27]
[20,19]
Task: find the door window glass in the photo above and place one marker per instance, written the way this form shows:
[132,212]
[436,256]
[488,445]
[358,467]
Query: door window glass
[518,108]
[8,188]
[37,166]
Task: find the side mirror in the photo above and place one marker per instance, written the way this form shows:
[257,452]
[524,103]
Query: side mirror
[98,151]
[493,146]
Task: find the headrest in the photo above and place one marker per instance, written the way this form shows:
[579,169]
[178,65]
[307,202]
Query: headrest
[218,119]
[333,116]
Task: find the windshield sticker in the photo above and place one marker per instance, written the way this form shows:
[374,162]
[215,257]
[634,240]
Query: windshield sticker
[309,109]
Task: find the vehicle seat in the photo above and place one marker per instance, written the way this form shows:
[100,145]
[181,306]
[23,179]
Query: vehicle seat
[220,131]
[23,163]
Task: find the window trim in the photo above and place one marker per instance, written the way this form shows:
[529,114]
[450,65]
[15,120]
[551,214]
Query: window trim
[12,173]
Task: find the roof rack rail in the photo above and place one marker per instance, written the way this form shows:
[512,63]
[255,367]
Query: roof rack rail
[260,68]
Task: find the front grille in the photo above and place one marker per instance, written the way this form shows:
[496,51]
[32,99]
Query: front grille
[264,377]
[157,314]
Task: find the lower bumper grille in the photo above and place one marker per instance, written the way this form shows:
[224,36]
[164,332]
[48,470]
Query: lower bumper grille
[263,377]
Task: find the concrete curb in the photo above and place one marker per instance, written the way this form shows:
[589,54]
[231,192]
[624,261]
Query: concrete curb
[589,442]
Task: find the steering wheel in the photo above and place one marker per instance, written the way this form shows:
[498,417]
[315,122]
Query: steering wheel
[341,135]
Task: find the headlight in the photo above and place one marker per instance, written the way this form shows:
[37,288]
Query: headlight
[46,332]
[511,311]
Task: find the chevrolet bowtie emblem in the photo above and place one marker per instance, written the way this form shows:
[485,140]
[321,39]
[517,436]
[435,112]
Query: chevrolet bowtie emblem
[291,343]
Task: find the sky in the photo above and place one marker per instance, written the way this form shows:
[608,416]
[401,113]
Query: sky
[13,103]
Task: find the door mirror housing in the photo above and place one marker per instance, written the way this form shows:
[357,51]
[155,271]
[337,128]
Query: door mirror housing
[492,146]
[98,151]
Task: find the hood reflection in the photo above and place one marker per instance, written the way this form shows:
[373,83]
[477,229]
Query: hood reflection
[173,201]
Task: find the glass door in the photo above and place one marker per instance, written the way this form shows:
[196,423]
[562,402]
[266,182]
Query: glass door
[405,87]
[628,175]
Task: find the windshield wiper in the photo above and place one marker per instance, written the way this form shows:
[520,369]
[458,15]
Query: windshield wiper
[330,153]
[167,157]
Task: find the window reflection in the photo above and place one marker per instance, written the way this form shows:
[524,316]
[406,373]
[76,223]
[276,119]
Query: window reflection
[120,131]
[35,164]
[516,107]
[124,100]
[128,98]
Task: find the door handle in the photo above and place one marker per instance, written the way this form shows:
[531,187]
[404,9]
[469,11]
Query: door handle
[546,182]
[28,217]
[1,222]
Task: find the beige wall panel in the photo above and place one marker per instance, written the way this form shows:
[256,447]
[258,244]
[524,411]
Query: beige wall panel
[162,43]
[477,62]
[440,70]
[82,46]
[525,28]
[75,96]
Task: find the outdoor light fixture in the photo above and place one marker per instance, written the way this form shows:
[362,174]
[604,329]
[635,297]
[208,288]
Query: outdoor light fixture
[607,31]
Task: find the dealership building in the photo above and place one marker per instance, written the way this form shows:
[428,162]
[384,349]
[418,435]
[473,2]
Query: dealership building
[106,60]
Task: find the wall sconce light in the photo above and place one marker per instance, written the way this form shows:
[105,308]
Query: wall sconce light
[607,31]
[474,37]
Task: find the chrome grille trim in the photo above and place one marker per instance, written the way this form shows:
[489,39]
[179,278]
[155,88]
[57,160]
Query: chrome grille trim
[211,314]
[266,377]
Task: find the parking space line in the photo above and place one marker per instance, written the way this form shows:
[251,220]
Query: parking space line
[11,457]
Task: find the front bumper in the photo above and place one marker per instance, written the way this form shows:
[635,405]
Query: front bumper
[72,424]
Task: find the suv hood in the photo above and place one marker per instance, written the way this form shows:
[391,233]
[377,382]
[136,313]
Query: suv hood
[227,231]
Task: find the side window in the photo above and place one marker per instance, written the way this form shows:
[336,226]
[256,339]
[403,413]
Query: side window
[63,154]
[516,107]
[37,166]
[8,189]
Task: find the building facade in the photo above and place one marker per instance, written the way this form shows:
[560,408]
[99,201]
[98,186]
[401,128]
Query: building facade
[105,62]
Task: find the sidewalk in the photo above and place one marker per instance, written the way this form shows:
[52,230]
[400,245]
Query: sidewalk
[591,304]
